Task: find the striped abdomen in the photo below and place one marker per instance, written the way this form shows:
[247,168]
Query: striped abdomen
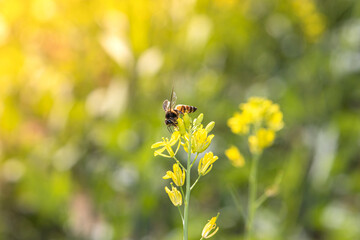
[186,108]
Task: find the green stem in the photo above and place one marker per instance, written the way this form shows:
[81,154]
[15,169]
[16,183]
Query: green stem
[237,201]
[252,195]
[197,154]
[182,218]
[182,191]
[195,182]
[261,200]
[177,161]
[187,197]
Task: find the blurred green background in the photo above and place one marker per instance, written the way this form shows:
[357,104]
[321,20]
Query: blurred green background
[81,89]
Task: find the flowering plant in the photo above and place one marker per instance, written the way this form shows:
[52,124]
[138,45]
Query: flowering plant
[259,120]
[194,139]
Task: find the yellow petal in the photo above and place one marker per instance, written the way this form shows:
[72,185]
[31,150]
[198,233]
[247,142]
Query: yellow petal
[158,144]
[168,175]
[159,151]
[235,157]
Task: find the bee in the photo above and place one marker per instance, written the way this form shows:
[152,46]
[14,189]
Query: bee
[173,112]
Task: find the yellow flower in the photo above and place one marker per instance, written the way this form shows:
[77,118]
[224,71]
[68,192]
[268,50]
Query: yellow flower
[255,108]
[167,144]
[178,176]
[206,233]
[238,124]
[274,118]
[263,138]
[260,115]
[174,195]
[206,163]
[201,140]
[235,157]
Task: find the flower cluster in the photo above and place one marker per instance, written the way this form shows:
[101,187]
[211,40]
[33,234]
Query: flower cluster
[190,135]
[260,119]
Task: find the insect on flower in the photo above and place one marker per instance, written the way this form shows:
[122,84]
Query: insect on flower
[173,112]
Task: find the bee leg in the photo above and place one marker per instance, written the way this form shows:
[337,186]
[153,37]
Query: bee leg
[169,129]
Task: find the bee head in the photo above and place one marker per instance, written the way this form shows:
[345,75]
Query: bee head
[169,122]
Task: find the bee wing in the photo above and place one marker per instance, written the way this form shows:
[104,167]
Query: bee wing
[166,105]
[173,99]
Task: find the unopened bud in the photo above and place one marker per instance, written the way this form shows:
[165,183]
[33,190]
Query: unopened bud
[198,120]
[210,126]
[181,126]
[187,121]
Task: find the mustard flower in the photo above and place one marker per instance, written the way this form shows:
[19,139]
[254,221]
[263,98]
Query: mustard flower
[174,195]
[201,140]
[178,176]
[257,112]
[238,124]
[211,225]
[274,118]
[262,139]
[206,163]
[235,157]
[255,109]
[167,144]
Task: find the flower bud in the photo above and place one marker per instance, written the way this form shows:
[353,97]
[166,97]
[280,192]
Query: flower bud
[198,120]
[187,121]
[181,126]
[210,126]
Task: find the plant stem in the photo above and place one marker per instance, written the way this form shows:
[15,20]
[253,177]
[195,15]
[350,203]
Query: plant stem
[195,182]
[197,154]
[187,197]
[261,200]
[177,161]
[237,202]
[182,218]
[252,195]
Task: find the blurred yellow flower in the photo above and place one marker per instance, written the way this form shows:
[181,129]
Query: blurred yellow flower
[263,138]
[255,109]
[257,112]
[167,144]
[211,225]
[311,20]
[178,176]
[174,195]
[206,163]
[274,118]
[235,157]
[238,124]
